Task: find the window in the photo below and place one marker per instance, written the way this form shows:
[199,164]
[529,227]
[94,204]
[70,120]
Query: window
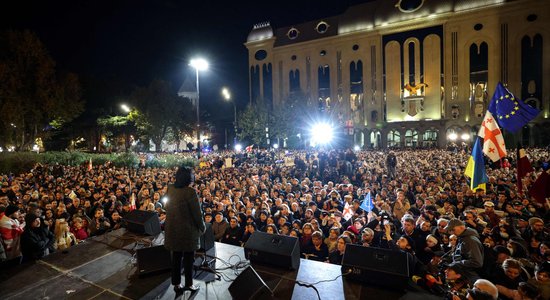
[260,55]
[322,27]
[411,138]
[394,139]
[429,139]
[408,6]
[292,33]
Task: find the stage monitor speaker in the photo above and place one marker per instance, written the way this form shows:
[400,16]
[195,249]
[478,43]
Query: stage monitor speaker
[143,222]
[153,259]
[249,286]
[278,250]
[207,239]
[377,266]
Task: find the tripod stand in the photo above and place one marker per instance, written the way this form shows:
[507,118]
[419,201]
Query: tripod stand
[205,266]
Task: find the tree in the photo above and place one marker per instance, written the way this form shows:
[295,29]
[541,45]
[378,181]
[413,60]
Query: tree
[252,123]
[32,98]
[289,119]
[116,126]
[158,109]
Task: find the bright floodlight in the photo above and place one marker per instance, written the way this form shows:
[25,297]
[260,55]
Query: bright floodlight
[164,199]
[238,147]
[453,136]
[125,108]
[199,63]
[465,136]
[356,148]
[276,146]
[321,133]
[226,94]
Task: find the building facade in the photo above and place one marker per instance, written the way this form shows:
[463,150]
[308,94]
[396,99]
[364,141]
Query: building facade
[410,73]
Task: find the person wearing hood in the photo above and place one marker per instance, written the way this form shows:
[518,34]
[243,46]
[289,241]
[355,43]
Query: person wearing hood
[37,241]
[469,249]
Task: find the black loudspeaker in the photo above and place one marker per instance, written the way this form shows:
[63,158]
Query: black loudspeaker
[207,239]
[153,259]
[249,285]
[278,250]
[377,266]
[143,222]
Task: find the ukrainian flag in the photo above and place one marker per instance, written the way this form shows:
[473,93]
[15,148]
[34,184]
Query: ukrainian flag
[475,169]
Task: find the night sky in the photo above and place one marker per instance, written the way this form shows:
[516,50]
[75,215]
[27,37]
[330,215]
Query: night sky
[137,41]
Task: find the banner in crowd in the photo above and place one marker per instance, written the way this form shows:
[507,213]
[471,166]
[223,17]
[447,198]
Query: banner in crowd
[511,112]
[523,168]
[541,188]
[475,169]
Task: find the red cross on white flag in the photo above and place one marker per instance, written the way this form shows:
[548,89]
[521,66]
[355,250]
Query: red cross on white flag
[493,141]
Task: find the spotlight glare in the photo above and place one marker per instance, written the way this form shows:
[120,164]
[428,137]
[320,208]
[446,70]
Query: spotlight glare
[164,199]
[321,134]
[356,148]
[453,136]
[465,136]
[276,146]
[238,147]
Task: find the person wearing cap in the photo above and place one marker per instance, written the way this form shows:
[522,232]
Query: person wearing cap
[535,229]
[469,250]
[489,215]
[405,244]
[11,231]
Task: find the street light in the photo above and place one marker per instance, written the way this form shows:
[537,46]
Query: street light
[200,64]
[125,108]
[227,96]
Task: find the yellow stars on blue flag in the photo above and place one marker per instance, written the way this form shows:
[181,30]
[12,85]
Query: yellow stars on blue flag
[510,111]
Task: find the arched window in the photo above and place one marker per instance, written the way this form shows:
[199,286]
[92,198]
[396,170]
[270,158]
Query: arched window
[411,138]
[375,139]
[429,138]
[394,139]
[294,81]
[323,75]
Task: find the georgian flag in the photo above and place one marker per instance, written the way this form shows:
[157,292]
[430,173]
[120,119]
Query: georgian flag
[348,212]
[493,141]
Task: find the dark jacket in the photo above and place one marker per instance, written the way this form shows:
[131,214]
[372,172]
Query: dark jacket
[219,229]
[469,252]
[184,223]
[36,243]
[233,236]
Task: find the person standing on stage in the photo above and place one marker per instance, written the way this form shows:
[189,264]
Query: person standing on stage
[183,227]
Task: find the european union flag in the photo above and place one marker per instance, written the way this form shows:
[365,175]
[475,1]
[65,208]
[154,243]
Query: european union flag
[512,113]
[366,205]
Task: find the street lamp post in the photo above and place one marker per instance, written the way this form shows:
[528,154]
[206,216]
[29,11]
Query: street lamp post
[199,64]
[227,96]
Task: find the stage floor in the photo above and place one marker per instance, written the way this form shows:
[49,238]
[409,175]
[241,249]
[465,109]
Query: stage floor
[105,267]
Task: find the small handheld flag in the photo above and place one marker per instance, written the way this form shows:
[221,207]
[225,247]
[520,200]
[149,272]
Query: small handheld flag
[366,205]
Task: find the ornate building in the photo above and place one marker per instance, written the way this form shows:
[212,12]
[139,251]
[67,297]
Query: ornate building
[406,73]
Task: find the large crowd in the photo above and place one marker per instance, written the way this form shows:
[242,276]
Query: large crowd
[491,243]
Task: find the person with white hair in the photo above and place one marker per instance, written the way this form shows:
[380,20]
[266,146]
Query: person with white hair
[486,286]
